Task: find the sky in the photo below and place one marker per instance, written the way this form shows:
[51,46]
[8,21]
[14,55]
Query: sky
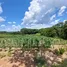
[35,14]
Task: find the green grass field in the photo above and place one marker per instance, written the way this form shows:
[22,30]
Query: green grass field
[28,41]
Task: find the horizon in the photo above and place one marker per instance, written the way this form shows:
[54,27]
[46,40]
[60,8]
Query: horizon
[34,14]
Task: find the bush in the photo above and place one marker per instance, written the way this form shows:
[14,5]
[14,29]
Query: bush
[60,51]
[37,34]
[39,61]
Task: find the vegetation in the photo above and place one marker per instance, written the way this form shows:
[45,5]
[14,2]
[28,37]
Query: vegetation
[29,41]
[39,61]
[59,30]
[63,64]
[28,31]
[35,38]
[59,51]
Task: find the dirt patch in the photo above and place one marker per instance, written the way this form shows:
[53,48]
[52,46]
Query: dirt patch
[26,58]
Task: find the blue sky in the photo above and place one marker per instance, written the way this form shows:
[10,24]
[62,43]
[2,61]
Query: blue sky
[17,14]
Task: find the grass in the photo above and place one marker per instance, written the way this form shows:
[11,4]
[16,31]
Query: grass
[28,41]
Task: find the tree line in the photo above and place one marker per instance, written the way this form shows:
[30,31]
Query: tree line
[58,30]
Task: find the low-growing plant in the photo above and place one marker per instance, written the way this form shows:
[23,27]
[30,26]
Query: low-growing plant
[9,54]
[29,41]
[54,65]
[59,51]
[40,62]
[38,34]
[62,64]
[2,55]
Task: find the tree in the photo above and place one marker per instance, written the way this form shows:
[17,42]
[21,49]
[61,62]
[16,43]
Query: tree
[65,30]
[29,31]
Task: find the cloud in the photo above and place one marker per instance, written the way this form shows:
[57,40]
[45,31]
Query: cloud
[38,26]
[3,25]
[55,22]
[12,22]
[40,11]
[1,10]
[16,28]
[2,19]
[9,22]
[61,11]
[52,17]
[13,25]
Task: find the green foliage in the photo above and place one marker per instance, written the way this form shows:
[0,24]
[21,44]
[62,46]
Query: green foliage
[29,41]
[49,32]
[40,62]
[37,34]
[65,30]
[60,51]
[47,43]
[58,30]
[28,31]
[63,64]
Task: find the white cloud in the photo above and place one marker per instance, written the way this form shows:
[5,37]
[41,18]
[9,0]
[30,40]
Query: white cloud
[38,26]
[64,21]
[52,17]
[13,25]
[55,22]
[3,25]
[2,19]
[9,22]
[15,28]
[61,11]
[1,10]
[14,22]
[48,11]
[40,11]
[10,28]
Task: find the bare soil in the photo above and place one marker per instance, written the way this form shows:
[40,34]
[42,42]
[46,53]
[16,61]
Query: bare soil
[25,59]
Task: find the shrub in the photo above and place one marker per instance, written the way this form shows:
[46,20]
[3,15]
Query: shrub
[37,34]
[39,61]
[60,51]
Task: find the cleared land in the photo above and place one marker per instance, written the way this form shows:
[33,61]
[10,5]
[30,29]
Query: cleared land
[31,51]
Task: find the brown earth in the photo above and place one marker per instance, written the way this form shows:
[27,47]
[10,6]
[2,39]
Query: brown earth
[26,59]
